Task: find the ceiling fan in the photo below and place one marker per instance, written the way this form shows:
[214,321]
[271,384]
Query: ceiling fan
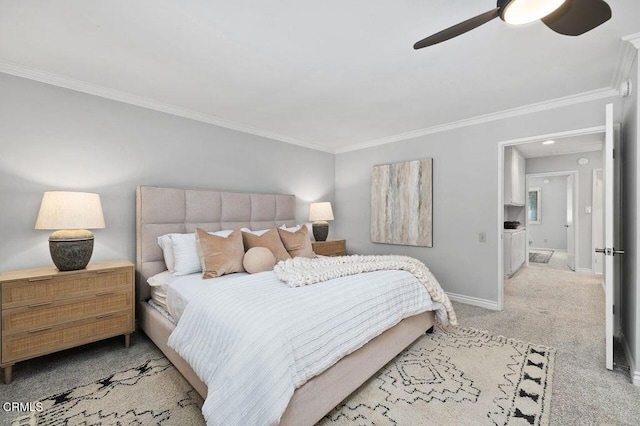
[568,17]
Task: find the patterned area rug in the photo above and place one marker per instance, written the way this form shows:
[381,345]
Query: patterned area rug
[456,376]
[540,256]
[152,394]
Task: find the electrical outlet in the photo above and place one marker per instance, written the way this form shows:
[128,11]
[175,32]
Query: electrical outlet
[482,237]
[545,240]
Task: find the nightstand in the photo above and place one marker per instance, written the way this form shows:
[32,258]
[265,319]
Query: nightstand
[44,310]
[331,247]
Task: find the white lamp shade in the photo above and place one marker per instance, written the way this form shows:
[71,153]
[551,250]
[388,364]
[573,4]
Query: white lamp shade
[70,210]
[520,12]
[320,211]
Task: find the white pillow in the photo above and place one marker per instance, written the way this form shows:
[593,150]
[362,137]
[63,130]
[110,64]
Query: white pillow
[185,252]
[294,229]
[257,233]
[163,279]
[159,284]
[166,245]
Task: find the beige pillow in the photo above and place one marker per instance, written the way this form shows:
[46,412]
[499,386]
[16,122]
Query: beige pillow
[297,244]
[220,255]
[258,259]
[270,240]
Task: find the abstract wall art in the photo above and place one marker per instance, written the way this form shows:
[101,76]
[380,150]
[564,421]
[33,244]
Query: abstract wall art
[402,203]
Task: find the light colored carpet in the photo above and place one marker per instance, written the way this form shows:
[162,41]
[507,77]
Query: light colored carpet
[565,310]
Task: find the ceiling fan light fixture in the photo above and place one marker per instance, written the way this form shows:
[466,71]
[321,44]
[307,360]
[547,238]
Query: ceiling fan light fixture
[519,12]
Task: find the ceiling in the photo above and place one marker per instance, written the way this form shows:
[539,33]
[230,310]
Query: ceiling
[332,75]
[567,145]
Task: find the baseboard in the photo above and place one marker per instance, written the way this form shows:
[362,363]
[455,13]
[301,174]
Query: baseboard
[474,301]
[634,374]
[584,271]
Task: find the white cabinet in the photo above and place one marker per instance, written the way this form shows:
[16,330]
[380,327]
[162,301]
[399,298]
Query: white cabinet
[514,179]
[514,246]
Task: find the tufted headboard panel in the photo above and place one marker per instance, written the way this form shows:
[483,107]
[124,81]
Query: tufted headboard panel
[161,211]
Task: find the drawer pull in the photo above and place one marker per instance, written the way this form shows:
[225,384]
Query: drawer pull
[104,316]
[105,293]
[37,330]
[105,271]
[40,279]
[37,305]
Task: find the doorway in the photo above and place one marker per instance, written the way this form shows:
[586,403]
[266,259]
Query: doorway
[552,231]
[589,139]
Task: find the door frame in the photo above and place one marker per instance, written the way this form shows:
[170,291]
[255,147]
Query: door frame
[594,222]
[500,206]
[576,188]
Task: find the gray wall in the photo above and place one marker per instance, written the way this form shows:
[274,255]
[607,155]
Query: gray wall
[630,321]
[550,233]
[57,139]
[465,193]
[561,163]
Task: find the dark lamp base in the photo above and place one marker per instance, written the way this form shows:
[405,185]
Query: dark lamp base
[320,231]
[71,255]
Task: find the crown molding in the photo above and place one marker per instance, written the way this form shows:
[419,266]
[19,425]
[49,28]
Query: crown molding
[633,39]
[487,118]
[628,53]
[116,95]
[119,96]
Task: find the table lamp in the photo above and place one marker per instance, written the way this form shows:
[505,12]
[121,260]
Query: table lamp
[71,215]
[319,214]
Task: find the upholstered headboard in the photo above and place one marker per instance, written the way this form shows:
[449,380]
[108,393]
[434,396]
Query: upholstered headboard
[161,211]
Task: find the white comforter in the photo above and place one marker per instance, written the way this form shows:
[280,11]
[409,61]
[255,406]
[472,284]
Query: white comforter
[253,339]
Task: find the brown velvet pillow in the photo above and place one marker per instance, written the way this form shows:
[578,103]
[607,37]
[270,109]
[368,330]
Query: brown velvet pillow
[270,240]
[297,243]
[219,255]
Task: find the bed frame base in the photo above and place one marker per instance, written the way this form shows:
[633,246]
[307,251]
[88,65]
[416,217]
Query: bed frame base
[321,394]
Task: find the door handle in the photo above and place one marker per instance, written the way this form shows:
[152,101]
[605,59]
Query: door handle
[566,226]
[609,251]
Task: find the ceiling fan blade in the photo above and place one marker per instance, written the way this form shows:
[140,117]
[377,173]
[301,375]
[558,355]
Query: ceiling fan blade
[576,17]
[458,29]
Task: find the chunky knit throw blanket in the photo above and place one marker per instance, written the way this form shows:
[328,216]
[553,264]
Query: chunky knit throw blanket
[301,271]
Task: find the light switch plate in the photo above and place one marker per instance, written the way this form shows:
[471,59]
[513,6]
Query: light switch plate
[482,237]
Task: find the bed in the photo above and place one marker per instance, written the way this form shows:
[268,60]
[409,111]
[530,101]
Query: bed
[169,210]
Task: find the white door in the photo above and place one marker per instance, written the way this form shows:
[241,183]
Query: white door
[571,229]
[610,274]
[598,221]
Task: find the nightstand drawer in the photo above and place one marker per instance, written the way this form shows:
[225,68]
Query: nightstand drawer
[48,288]
[54,338]
[41,314]
[331,247]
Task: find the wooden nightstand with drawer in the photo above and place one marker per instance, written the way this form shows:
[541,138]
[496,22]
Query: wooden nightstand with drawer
[331,247]
[44,310]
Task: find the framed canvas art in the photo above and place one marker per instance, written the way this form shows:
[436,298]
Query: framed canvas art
[402,203]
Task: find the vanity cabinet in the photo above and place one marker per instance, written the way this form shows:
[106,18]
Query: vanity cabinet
[514,177]
[514,250]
